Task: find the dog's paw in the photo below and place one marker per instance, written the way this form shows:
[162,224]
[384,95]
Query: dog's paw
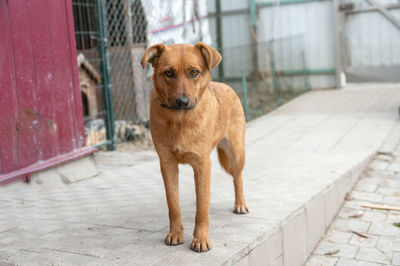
[202,245]
[174,239]
[240,209]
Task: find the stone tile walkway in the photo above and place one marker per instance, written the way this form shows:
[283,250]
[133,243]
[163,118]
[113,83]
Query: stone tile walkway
[364,236]
[301,160]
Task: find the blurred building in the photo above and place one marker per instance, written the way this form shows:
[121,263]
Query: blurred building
[298,36]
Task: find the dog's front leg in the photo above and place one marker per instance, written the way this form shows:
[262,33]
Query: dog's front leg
[170,173]
[202,175]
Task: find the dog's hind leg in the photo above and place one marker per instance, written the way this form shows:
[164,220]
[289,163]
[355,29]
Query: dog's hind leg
[232,159]
[224,160]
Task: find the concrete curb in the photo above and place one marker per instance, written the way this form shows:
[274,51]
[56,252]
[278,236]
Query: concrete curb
[65,174]
[292,240]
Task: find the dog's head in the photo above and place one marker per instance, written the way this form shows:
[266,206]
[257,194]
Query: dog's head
[181,72]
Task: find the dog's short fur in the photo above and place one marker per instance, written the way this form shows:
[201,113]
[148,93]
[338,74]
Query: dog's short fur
[189,116]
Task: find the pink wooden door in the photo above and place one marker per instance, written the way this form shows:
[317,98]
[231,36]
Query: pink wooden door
[41,117]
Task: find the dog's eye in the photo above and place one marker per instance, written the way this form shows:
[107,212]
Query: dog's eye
[170,74]
[193,73]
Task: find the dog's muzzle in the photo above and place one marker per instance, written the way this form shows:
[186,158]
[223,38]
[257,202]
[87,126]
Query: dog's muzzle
[182,103]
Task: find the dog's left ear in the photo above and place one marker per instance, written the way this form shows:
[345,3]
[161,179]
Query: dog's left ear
[210,55]
[151,54]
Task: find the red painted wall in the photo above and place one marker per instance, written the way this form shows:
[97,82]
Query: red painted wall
[41,113]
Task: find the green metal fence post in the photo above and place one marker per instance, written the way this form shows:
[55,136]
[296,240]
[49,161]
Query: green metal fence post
[253,10]
[219,37]
[245,105]
[284,2]
[105,77]
[275,83]
[305,73]
[254,42]
[273,71]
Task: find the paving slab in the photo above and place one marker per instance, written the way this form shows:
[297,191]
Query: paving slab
[372,232]
[302,159]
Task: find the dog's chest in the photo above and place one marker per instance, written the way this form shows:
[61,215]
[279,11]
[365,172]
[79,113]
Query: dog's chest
[185,149]
[181,153]
[176,149]
[186,139]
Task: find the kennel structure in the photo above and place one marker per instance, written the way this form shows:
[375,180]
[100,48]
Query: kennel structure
[89,80]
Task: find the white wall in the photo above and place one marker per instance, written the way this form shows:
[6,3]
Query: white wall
[372,40]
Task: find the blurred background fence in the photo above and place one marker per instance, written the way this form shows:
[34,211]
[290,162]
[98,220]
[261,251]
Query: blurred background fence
[272,51]
[266,74]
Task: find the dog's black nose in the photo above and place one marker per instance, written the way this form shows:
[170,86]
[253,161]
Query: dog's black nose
[182,102]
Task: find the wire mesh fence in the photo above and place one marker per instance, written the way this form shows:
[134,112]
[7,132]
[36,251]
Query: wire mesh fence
[126,28]
[266,74]
[86,20]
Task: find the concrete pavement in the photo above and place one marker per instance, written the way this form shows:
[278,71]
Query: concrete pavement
[301,161]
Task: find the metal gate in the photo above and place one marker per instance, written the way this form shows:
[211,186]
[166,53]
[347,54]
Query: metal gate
[111,38]
[371,40]
[94,74]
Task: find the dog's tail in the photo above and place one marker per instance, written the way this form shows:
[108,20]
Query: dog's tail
[224,160]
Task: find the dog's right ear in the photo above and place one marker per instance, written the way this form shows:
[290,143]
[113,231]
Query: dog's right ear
[152,53]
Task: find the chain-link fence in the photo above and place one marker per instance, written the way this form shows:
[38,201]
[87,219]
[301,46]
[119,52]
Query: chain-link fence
[88,44]
[111,38]
[127,37]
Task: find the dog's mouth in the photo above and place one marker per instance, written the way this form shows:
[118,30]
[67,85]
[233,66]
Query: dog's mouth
[180,108]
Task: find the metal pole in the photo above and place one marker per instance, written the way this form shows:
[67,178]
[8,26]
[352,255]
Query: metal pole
[105,77]
[284,2]
[253,10]
[275,82]
[245,105]
[305,72]
[254,40]
[273,71]
[218,19]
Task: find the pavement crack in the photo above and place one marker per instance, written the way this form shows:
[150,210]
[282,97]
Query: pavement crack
[127,228]
[71,252]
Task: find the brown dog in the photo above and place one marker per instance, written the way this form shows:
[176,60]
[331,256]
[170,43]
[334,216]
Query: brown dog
[189,116]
